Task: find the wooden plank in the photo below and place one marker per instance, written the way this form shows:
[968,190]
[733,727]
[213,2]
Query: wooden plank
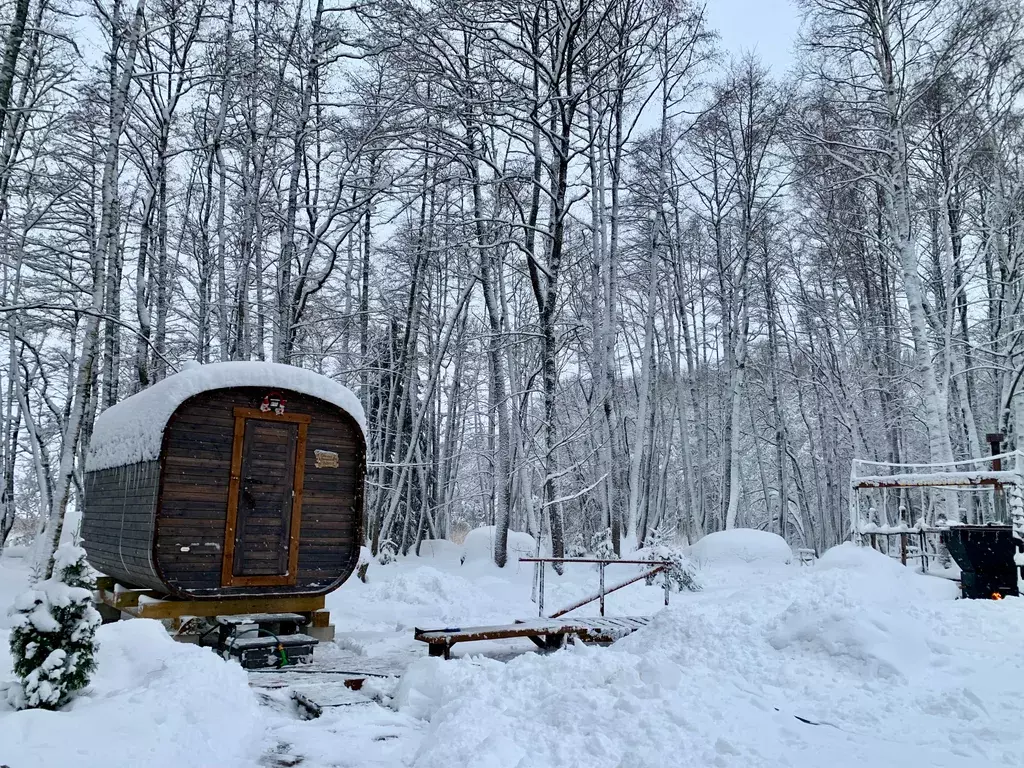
[319,697]
[105,583]
[256,413]
[297,487]
[194,489]
[125,599]
[232,516]
[589,630]
[192,526]
[185,509]
[171,609]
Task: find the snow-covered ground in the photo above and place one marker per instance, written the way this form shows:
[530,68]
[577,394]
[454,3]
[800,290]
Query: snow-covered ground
[855,661]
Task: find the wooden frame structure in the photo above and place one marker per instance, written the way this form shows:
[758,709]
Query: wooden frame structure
[1000,474]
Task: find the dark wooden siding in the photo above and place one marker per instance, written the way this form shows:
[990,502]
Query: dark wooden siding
[118,522]
[192,513]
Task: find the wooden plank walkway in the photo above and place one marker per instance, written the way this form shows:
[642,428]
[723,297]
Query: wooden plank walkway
[545,633]
[330,681]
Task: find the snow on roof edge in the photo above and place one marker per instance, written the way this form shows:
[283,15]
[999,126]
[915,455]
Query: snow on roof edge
[132,430]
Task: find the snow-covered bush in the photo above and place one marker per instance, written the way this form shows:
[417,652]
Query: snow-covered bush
[458,531]
[661,545]
[387,552]
[53,636]
[363,564]
[601,545]
[575,547]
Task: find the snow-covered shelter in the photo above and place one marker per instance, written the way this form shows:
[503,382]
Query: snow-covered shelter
[236,479]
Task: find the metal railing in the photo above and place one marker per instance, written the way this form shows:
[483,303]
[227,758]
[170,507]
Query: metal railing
[658,566]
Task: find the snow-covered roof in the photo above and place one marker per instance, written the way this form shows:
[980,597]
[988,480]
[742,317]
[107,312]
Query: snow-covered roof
[132,431]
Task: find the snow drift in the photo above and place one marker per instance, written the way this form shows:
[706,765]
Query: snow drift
[840,666]
[741,545]
[153,703]
[479,545]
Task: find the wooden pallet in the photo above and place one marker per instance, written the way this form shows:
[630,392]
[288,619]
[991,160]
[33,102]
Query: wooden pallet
[545,633]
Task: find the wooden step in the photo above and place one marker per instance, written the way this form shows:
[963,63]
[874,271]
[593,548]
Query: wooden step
[265,652]
[259,641]
[262,618]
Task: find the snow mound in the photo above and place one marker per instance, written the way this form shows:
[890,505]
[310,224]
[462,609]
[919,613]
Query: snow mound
[850,557]
[447,595]
[132,430]
[880,644]
[741,545]
[479,545]
[440,549]
[153,702]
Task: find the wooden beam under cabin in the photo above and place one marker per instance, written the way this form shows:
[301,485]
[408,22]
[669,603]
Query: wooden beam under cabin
[172,609]
[125,599]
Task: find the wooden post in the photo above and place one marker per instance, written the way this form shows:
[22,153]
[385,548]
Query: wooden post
[668,585]
[995,441]
[924,553]
[540,592]
[903,548]
[873,541]
[600,568]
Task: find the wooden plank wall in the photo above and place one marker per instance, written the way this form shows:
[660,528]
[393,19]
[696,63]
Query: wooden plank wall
[118,522]
[193,505]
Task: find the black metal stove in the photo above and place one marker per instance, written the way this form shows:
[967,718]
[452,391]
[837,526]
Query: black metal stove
[985,556]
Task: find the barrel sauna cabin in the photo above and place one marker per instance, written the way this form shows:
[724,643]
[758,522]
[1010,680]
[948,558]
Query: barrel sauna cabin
[228,482]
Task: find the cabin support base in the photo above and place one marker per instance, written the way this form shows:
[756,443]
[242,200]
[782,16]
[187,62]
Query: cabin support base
[320,626]
[148,604]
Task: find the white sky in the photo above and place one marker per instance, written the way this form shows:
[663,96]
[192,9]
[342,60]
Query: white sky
[767,27]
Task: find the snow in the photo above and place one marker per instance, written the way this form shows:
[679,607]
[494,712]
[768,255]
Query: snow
[849,556]
[855,660]
[913,479]
[741,545]
[153,702]
[887,668]
[132,430]
[440,549]
[479,545]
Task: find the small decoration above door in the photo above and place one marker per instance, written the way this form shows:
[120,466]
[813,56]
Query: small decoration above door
[273,401]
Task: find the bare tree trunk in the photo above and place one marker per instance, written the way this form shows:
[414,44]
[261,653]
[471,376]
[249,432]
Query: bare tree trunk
[105,241]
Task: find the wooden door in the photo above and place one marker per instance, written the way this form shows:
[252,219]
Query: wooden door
[264,499]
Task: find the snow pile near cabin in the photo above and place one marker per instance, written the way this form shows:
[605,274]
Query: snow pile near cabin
[741,546]
[848,664]
[153,703]
[132,430]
